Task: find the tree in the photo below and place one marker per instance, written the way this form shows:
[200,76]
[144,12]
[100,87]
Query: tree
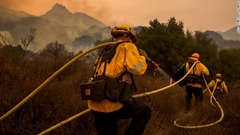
[167,44]
[55,52]
[229,64]
[29,38]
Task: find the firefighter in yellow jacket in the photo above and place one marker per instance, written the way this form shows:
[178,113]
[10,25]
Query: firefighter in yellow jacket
[218,86]
[132,61]
[194,80]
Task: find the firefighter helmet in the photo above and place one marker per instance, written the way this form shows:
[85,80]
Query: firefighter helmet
[195,55]
[218,75]
[124,30]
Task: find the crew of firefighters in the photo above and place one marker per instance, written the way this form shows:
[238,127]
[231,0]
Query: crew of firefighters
[127,61]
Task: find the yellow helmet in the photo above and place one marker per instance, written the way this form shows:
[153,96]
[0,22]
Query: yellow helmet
[218,75]
[124,30]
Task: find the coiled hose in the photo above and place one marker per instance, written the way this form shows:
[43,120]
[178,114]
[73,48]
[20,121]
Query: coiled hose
[206,125]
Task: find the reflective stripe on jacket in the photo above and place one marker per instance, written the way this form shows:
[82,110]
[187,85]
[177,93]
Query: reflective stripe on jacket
[126,58]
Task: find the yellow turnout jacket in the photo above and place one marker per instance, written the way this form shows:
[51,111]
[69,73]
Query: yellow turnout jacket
[220,88]
[197,70]
[126,58]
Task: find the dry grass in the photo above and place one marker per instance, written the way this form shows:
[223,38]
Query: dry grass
[61,99]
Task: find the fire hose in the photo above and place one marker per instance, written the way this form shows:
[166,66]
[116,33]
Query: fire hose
[135,96]
[206,125]
[88,110]
[53,76]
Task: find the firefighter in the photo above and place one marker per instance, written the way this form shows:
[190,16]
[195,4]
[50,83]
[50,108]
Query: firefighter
[219,85]
[194,80]
[128,59]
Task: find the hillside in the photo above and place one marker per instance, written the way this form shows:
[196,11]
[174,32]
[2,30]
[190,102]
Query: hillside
[9,17]
[231,34]
[63,17]
[221,41]
[58,24]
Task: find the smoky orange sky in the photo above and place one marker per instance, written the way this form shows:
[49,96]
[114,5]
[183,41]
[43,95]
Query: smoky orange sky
[218,15]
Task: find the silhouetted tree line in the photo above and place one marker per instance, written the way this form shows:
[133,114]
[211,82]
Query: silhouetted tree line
[170,46]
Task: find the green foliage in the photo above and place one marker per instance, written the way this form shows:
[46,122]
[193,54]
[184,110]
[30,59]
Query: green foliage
[169,45]
[229,64]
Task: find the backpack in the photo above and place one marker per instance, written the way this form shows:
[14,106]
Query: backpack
[219,86]
[181,71]
[102,87]
[193,78]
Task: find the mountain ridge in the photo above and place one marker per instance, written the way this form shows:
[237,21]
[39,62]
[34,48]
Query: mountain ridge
[58,24]
[231,34]
[222,42]
[71,29]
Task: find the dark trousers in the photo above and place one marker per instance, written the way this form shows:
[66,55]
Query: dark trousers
[106,123]
[197,92]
